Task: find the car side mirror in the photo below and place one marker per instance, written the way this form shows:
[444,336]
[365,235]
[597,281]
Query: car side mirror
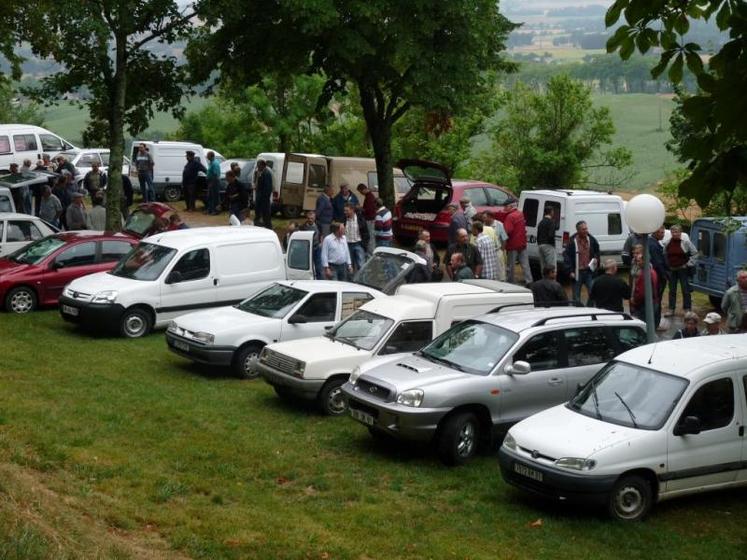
[297,320]
[174,277]
[518,368]
[580,387]
[689,426]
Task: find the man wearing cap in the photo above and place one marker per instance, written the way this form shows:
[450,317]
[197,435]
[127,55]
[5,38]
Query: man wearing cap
[190,173]
[345,196]
[734,303]
[468,210]
[712,323]
[76,216]
[516,245]
[458,221]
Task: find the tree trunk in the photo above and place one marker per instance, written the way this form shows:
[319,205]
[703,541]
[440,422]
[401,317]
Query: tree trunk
[116,137]
[380,131]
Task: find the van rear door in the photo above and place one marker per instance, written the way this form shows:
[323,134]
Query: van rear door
[712,273]
[299,259]
[606,224]
[304,178]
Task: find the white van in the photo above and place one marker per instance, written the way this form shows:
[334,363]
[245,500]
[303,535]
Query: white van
[24,141]
[172,273]
[603,212]
[658,422]
[169,159]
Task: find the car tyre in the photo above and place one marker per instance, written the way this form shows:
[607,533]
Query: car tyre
[630,499]
[291,212]
[245,361]
[331,401]
[458,438]
[172,193]
[21,300]
[135,323]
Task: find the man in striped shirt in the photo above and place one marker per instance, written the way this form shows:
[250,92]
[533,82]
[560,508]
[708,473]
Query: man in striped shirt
[383,225]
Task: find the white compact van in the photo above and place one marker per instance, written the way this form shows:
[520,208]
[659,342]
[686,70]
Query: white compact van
[658,422]
[169,159]
[175,272]
[25,141]
[603,212]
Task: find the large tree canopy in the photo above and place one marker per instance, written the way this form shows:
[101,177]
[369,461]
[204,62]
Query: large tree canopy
[714,142]
[434,55]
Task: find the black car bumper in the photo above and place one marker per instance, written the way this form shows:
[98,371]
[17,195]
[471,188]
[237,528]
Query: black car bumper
[552,483]
[213,355]
[95,315]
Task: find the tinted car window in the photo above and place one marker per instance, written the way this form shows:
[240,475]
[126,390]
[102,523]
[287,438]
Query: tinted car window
[555,206]
[530,208]
[541,352]
[51,143]
[713,404]
[298,255]
[22,230]
[78,255]
[628,337]
[496,197]
[4,145]
[614,224]
[586,346]
[193,265]
[476,196]
[319,308]
[112,251]
[317,175]
[704,242]
[719,246]
[351,301]
[409,337]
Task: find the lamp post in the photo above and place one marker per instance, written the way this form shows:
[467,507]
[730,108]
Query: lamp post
[645,214]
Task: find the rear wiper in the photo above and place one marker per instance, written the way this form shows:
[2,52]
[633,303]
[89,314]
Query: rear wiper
[632,416]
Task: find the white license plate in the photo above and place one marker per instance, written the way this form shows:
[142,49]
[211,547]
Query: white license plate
[528,472]
[367,419]
[181,345]
[68,310]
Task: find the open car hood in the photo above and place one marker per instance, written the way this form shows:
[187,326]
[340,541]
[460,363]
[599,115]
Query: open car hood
[420,170]
[387,269]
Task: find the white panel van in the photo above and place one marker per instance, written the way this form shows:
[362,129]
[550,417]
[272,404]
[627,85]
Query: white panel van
[25,141]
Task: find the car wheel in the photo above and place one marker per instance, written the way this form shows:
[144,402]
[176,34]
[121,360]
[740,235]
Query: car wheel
[331,400]
[21,300]
[172,193]
[458,438]
[715,302]
[630,498]
[291,212]
[135,323]
[245,361]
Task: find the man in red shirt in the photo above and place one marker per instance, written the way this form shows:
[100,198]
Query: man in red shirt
[516,244]
[369,213]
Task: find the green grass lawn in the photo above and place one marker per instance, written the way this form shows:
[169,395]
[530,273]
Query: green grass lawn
[115,448]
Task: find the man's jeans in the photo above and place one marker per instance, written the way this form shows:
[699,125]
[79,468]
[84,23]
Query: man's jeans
[383,242]
[682,277]
[339,272]
[357,254]
[213,196]
[585,278]
[523,258]
[146,186]
[547,256]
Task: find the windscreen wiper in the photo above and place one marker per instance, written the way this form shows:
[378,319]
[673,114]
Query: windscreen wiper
[632,416]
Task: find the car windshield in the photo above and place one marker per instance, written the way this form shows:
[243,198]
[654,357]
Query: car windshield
[471,346]
[381,269]
[275,301]
[630,395]
[140,222]
[144,262]
[37,251]
[362,329]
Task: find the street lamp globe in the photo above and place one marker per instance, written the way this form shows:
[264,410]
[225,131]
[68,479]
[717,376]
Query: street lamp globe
[644,213]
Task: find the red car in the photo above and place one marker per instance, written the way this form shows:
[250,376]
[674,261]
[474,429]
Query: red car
[424,206]
[143,221]
[35,275]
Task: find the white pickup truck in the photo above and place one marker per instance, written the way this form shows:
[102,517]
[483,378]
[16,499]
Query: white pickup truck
[316,368]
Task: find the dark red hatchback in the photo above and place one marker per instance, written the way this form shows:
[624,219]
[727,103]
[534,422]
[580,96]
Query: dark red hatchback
[35,275]
[424,206]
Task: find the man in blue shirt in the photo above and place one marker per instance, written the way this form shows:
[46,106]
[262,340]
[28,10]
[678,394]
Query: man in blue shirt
[213,184]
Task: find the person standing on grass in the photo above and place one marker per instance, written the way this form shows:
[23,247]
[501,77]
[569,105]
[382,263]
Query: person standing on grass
[94,180]
[491,268]
[638,287]
[263,201]
[369,213]
[608,290]
[190,174]
[76,215]
[516,245]
[383,225]
[233,193]
[97,214]
[50,207]
[582,259]
[357,235]
[548,290]
[144,166]
[734,303]
[213,183]
[546,239]
[325,212]
[341,199]
[336,261]
[680,254]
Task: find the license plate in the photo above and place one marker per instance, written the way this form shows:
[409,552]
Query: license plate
[68,310]
[181,345]
[367,419]
[528,472]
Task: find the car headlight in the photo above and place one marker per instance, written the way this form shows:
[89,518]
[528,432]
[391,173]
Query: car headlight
[299,369]
[509,442]
[207,338]
[413,397]
[355,375]
[576,463]
[107,296]
[172,326]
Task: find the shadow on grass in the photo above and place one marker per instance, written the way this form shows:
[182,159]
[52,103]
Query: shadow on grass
[189,368]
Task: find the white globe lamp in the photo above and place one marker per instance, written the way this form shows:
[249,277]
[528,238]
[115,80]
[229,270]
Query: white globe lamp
[644,213]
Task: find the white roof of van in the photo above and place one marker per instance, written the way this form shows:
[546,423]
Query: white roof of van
[401,307]
[186,238]
[576,193]
[169,143]
[433,292]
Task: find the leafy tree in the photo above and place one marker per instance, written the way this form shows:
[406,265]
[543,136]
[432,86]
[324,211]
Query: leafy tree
[715,147]
[552,139]
[14,109]
[399,55]
[10,37]
[112,57]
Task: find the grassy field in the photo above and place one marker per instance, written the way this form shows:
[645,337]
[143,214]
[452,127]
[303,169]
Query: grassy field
[114,448]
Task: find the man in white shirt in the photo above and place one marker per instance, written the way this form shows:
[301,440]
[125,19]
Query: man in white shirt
[336,261]
[357,235]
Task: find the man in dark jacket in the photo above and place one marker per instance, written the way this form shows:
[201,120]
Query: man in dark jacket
[234,193]
[458,221]
[263,202]
[469,255]
[581,258]
[548,290]
[341,199]
[190,174]
[94,180]
[546,239]
[608,291]
[324,211]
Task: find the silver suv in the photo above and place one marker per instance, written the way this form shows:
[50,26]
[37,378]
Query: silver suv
[484,375]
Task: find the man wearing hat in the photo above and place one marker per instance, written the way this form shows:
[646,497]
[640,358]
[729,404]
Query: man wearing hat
[76,216]
[712,323]
[190,174]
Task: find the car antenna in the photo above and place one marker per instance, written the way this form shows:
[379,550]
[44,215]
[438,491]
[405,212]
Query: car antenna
[651,357]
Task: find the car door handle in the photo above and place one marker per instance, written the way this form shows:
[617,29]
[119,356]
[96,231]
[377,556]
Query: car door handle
[555,381]
[328,327]
[215,281]
[741,431]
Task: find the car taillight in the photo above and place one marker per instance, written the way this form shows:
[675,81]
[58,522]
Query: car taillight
[566,238]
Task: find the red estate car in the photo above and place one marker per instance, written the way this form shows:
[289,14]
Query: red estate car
[36,274]
[424,206]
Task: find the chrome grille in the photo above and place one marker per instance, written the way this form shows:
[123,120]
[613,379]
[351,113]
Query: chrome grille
[279,362]
[374,390]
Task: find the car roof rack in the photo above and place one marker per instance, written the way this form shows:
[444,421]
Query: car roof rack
[536,304]
[593,315]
